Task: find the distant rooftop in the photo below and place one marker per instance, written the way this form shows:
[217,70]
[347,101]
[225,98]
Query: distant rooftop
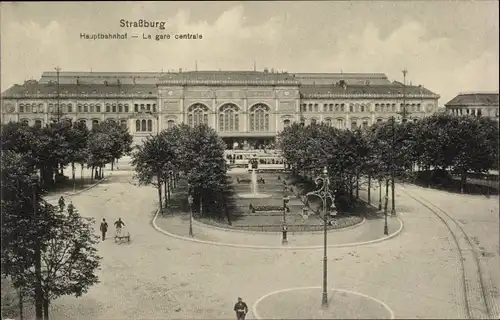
[392,89]
[474,99]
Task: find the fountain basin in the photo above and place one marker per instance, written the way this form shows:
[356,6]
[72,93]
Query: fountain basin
[254,195]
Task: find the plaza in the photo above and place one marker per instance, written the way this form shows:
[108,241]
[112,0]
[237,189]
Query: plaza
[416,274]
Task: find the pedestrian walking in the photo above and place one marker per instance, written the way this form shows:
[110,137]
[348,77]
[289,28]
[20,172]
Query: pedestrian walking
[104,229]
[61,203]
[241,309]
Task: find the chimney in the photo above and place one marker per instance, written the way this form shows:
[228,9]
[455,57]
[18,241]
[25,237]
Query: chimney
[180,70]
[266,70]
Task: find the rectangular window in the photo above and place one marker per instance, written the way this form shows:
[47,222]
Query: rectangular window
[136,107]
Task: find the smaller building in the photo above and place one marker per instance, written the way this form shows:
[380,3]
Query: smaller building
[475,104]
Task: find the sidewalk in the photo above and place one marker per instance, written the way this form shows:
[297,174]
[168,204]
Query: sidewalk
[369,230]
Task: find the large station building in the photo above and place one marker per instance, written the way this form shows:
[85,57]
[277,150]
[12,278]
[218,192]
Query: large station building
[248,107]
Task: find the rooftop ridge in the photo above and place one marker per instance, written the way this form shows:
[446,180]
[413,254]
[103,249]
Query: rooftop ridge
[478,92]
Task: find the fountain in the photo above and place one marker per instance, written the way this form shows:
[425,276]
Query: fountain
[255,189]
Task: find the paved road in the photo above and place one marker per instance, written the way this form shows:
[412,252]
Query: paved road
[417,273]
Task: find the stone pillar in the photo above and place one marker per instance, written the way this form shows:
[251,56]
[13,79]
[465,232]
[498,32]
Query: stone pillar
[276,115]
[244,115]
[215,113]
[347,124]
[182,111]
[297,110]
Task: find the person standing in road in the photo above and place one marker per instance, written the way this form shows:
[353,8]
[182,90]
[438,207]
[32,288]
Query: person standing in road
[241,309]
[61,203]
[119,224]
[104,229]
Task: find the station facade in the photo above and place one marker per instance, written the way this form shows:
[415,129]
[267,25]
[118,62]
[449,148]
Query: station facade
[246,108]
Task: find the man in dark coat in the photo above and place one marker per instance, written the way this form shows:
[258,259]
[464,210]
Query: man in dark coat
[104,228]
[241,309]
[61,203]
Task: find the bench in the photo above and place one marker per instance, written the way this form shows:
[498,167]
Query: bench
[123,237]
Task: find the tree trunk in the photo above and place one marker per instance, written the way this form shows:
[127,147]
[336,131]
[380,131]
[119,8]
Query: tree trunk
[73,169]
[463,181]
[45,309]
[169,187]
[357,185]
[201,204]
[159,195]
[380,194]
[369,188]
[165,192]
[81,174]
[112,165]
[21,303]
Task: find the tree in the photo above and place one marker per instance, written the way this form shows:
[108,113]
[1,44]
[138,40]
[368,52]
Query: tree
[99,150]
[120,137]
[205,167]
[78,140]
[153,160]
[69,258]
[24,227]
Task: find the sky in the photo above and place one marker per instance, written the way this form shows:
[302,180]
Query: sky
[447,46]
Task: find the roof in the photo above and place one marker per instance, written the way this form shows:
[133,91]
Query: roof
[76,89]
[228,75]
[474,99]
[309,90]
[154,77]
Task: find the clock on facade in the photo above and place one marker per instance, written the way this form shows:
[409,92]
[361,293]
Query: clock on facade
[9,107]
[287,93]
[170,93]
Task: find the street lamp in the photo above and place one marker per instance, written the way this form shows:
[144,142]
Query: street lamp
[324,193]
[286,199]
[38,256]
[393,207]
[190,202]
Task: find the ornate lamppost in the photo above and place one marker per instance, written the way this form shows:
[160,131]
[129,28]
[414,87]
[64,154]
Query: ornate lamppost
[323,192]
[393,209]
[286,199]
[190,202]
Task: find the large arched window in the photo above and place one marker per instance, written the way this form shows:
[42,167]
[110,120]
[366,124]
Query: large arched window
[328,122]
[137,125]
[259,117]
[123,123]
[170,124]
[197,114]
[286,123]
[229,120]
[38,124]
[114,107]
[97,108]
[95,123]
